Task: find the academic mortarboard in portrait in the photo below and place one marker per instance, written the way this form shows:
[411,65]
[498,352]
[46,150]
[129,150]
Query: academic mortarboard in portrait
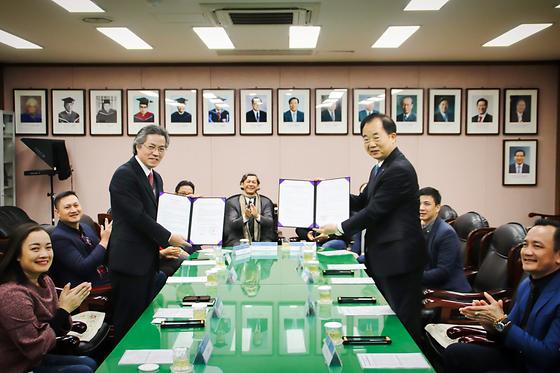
[143,100]
[68,100]
[181,100]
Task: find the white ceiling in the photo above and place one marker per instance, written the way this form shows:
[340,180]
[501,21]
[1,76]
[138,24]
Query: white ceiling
[349,28]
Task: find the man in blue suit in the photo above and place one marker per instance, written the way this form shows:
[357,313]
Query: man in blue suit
[79,254]
[293,115]
[444,269]
[368,110]
[407,104]
[528,339]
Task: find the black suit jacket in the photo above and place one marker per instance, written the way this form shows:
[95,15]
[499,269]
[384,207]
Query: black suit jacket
[388,210]
[487,118]
[250,116]
[438,117]
[524,168]
[524,118]
[326,116]
[136,236]
[288,116]
[233,225]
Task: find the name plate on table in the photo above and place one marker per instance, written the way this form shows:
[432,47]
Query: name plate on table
[186,280]
[242,250]
[218,309]
[332,358]
[198,263]
[204,350]
[352,281]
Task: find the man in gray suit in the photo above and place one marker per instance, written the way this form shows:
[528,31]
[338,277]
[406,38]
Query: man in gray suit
[248,215]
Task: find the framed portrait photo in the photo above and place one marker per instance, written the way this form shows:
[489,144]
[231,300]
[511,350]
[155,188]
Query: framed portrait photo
[181,107]
[294,111]
[256,111]
[444,111]
[30,111]
[331,111]
[105,112]
[519,162]
[218,112]
[366,102]
[521,111]
[483,111]
[407,110]
[68,111]
[142,109]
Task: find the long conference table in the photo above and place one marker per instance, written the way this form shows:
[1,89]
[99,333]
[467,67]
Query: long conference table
[265,324]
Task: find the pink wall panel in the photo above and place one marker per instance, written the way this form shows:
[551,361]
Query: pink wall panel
[466,169]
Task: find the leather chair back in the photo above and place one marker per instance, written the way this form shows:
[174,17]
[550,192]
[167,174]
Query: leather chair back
[467,223]
[10,218]
[447,213]
[493,272]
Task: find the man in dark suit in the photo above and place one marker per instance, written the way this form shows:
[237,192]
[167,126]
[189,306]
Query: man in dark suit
[136,237]
[79,254]
[332,113]
[528,338]
[181,115]
[248,215]
[519,166]
[369,110]
[388,210]
[444,270]
[443,114]
[255,114]
[407,104]
[293,115]
[520,114]
[482,107]
[218,114]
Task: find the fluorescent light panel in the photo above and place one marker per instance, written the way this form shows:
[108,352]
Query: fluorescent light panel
[16,42]
[304,37]
[124,37]
[79,6]
[517,34]
[415,5]
[214,37]
[394,36]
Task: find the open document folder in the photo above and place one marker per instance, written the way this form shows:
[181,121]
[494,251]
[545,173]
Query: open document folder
[199,220]
[308,203]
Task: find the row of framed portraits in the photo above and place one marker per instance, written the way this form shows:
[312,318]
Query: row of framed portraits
[181,112]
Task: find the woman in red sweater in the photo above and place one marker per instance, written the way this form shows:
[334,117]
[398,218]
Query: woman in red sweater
[31,315]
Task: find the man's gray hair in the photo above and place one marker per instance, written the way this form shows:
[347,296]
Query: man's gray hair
[142,135]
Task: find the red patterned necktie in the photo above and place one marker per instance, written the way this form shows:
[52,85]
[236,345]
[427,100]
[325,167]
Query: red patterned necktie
[151,179]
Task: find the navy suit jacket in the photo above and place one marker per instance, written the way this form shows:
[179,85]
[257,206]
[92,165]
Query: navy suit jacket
[539,342]
[487,118]
[250,116]
[74,261]
[411,118]
[389,211]
[524,168]
[288,116]
[445,266]
[136,236]
[326,116]
[438,117]
[524,117]
[363,114]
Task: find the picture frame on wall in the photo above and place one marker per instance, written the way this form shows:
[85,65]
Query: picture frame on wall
[407,110]
[142,109]
[365,102]
[294,111]
[218,112]
[444,114]
[483,111]
[331,111]
[181,111]
[256,111]
[105,112]
[68,111]
[521,111]
[30,111]
[519,166]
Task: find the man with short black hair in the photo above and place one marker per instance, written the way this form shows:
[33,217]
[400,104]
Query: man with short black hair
[528,339]
[444,269]
[79,254]
[519,166]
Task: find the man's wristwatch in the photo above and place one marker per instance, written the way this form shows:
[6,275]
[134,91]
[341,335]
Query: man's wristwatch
[502,323]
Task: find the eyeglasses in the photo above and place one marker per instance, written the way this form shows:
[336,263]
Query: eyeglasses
[152,148]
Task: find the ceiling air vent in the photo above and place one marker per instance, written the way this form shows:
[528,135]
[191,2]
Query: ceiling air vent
[263,16]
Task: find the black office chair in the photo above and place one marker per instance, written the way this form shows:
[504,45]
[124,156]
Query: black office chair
[10,218]
[447,213]
[466,225]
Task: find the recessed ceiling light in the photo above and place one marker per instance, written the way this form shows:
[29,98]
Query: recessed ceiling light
[516,34]
[558,6]
[304,37]
[124,37]
[16,42]
[394,36]
[214,37]
[79,6]
[414,5]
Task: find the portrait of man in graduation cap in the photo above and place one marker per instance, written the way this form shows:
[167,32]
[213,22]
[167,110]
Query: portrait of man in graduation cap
[181,115]
[218,114]
[106,114]
[143,115]
[68,115]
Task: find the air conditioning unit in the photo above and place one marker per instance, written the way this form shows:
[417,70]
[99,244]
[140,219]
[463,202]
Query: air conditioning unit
[262,14]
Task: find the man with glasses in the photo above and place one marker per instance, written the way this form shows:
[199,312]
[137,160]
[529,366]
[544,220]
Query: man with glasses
[136,238]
